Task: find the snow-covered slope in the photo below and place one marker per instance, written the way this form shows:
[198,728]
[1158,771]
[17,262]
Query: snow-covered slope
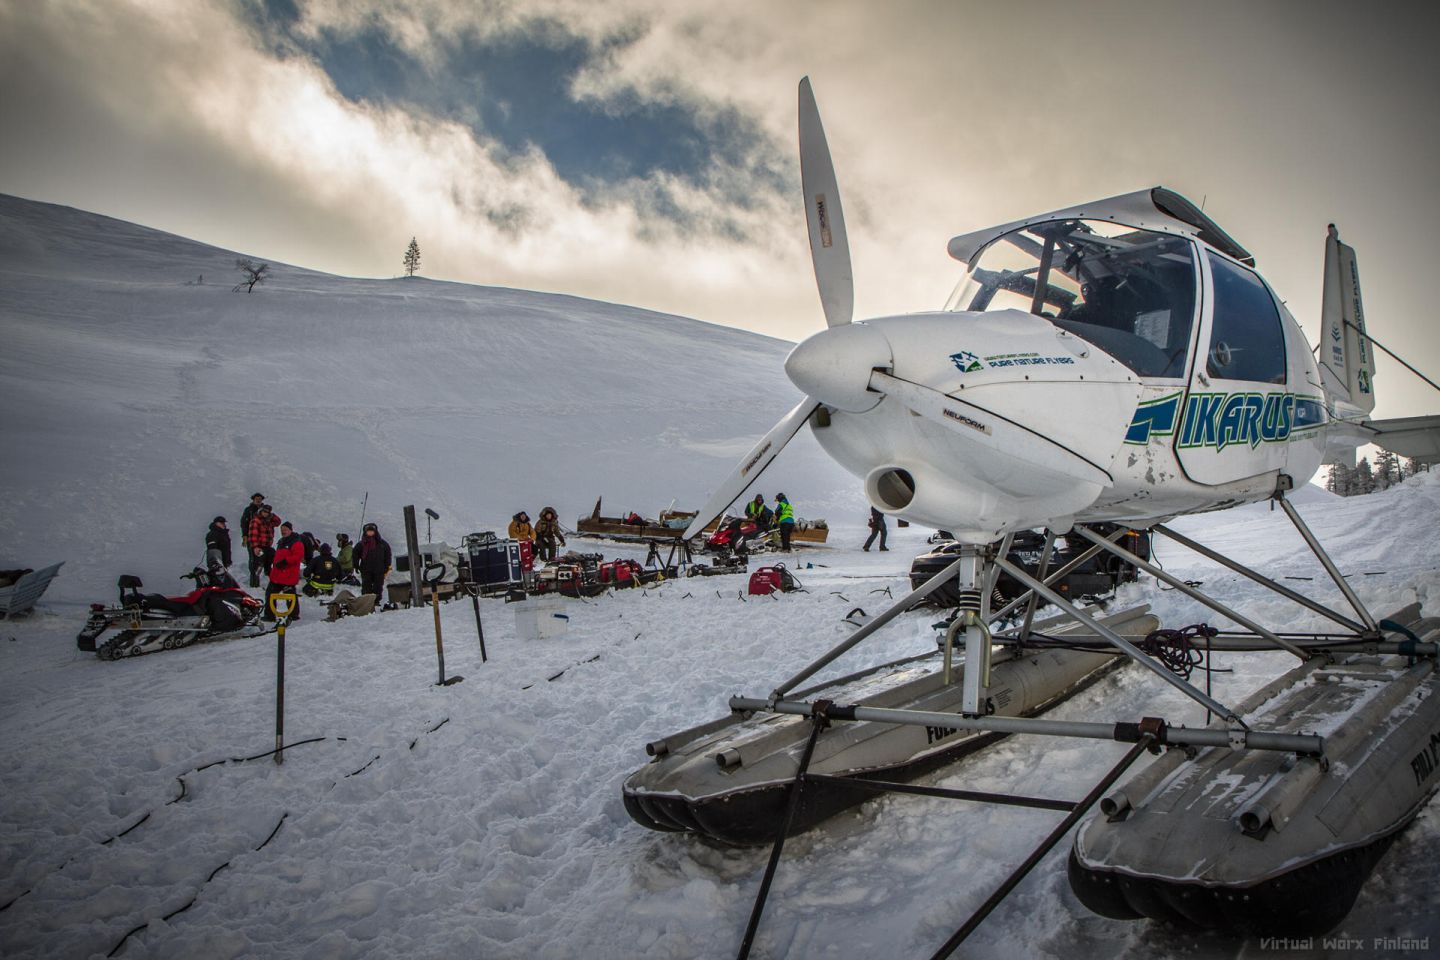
[142,397]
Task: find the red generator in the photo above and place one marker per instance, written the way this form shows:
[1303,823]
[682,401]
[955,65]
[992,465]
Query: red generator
[767,580]
[620,573]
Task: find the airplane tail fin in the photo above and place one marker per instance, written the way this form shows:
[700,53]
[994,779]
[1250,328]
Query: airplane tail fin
[1347,364]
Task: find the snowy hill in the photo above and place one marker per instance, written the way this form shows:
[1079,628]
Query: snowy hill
[143,398]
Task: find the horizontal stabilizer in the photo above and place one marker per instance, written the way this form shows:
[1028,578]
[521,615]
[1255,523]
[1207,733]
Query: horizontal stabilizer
[1415,437]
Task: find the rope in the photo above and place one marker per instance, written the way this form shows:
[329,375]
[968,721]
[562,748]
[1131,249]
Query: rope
[1176,650]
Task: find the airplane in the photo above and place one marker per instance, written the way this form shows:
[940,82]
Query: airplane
[1120,360]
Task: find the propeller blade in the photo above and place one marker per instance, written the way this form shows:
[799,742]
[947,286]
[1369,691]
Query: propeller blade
[829,249]
[990,429]
[754,464]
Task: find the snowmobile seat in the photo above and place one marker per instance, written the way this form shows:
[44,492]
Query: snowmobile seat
[158,601]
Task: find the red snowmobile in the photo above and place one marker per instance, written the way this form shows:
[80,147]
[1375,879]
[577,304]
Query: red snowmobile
[216,609]
[738,535]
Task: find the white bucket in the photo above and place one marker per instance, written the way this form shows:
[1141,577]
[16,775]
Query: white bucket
[540,618]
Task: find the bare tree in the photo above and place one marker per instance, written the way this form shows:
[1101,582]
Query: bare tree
[412,258]
[253,273]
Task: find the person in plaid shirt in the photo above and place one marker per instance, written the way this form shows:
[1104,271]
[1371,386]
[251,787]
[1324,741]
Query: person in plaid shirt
[258,537]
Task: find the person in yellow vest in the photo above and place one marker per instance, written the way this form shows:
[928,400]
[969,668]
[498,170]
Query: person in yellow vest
[761,514]
[520,528]
[785,517]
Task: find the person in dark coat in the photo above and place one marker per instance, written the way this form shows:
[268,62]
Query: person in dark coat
[217,544]
[877,529]
[548,537]
[312,546]
[322,572]
[372,560]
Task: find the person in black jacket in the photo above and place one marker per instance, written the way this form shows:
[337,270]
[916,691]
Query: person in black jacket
[877,529]
[217,544]
[322,572]
[372,561]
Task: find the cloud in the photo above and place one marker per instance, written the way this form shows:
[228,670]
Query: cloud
[643,150]
[199,85]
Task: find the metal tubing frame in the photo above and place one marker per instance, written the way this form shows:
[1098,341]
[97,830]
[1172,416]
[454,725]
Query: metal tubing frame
[1082,729]
[792,800]
[910,599]
[978,796]
[1118,641]
[1404,648]
[1038,854]
[1189,591]
[1327,563]
[1051,578]
[1259,578]
[1041,572]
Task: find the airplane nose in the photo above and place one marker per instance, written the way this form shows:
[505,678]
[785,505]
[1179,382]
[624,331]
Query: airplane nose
[834,365]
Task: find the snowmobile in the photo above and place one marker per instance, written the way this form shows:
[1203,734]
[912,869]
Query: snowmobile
[216,609]
[736,535]
[1096,576]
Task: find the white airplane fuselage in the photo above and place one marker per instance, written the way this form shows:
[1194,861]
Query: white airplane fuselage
[1025,392]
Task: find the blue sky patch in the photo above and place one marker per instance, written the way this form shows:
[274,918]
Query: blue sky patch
[514,90]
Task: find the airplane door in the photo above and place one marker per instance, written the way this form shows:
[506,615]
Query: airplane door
[1238,411]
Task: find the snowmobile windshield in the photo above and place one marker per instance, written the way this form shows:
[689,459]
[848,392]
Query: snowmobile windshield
[1132,293]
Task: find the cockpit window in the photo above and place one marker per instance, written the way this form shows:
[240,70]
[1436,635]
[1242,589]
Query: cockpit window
[1129,292]
[1246,340]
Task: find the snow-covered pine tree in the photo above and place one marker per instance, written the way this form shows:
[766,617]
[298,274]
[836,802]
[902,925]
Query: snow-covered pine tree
[1387,470]
[1364,478]
[412,258]
[1341,475]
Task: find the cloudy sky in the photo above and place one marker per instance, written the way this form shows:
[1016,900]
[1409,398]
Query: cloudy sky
[643,151]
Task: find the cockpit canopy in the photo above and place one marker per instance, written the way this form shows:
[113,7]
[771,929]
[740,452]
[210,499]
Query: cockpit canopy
[1129,292]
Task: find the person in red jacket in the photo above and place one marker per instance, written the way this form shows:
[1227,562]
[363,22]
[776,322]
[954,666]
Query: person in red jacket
[285,569]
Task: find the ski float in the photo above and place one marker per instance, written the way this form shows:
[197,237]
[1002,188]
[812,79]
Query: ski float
[1268,844]
[728,780]
[1118,361]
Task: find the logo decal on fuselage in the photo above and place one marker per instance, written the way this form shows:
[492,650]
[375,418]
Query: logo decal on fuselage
[1221,420]
[967,362]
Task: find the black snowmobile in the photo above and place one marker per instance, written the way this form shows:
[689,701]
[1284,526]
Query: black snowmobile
[1097,576]
[217,609]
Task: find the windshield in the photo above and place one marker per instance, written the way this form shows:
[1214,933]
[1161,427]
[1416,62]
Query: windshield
[1129,292]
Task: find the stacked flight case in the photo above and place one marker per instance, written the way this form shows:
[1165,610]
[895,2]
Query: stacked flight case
[491,564]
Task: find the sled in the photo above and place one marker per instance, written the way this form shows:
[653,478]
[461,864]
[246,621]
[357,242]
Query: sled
[616,528]
[20,596]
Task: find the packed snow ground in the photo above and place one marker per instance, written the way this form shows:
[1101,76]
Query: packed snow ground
[485,819]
